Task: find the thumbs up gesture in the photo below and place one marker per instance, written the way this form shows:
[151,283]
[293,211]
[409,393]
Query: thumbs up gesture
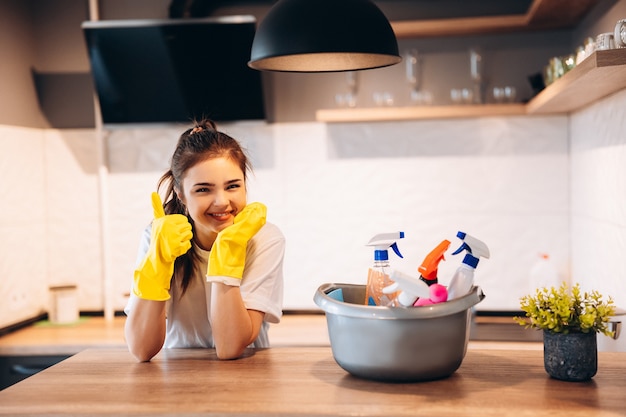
[170,237]
[172,233]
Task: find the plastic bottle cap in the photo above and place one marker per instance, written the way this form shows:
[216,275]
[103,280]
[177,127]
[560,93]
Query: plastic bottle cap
[381,255]
[470,260]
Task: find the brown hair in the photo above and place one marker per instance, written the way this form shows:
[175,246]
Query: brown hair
[196,144]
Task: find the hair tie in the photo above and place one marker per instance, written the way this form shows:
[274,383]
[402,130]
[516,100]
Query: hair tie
[196,130]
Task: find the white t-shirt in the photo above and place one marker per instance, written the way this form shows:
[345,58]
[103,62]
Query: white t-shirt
[261,289]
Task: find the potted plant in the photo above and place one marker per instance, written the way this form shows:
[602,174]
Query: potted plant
[570,320]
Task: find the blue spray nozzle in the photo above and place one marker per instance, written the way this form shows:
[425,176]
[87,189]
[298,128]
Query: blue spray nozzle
[395,248]
[461,248]
[474,247]
[384,241]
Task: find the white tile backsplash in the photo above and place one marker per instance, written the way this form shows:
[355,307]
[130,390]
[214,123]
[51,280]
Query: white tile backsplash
[598,204]
[73,214]
[521,184]
[429,179]
[23,224]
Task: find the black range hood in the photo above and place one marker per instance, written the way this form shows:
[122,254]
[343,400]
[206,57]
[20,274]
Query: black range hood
[174,70]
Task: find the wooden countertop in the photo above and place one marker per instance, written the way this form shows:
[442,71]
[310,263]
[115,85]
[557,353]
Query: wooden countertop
[306,381]
[44,338]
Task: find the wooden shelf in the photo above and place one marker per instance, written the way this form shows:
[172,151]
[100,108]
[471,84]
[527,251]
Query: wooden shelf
[541,15]
[379,114]
[598,76]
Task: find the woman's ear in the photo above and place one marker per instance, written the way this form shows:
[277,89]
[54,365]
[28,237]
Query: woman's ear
[178,194]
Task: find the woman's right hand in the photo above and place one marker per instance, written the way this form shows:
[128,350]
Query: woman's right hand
[170,238]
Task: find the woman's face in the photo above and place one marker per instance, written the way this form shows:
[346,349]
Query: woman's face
[214,192]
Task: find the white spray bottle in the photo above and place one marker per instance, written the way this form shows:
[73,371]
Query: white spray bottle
[378,275]
[410,289]
[463,279]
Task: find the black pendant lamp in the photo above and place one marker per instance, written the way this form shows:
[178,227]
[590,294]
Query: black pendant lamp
[324,36]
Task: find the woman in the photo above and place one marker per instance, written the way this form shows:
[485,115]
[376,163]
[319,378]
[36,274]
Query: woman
[209,268]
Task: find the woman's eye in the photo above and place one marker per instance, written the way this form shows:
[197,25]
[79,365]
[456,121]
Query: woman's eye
[203,190]
[231,186]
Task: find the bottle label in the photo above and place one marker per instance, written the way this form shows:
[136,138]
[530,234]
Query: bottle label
[376,281]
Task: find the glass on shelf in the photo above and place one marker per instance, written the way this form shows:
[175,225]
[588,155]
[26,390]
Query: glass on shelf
[477,74]
[506,94]
[349,99]
[417,95]
[462,96]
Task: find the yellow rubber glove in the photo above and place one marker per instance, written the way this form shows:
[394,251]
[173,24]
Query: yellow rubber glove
[228,254]
[170,238]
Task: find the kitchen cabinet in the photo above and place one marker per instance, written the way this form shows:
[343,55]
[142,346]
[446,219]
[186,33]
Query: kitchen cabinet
[31,349]
[601,74]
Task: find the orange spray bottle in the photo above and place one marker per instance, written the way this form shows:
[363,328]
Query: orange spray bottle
[428,268]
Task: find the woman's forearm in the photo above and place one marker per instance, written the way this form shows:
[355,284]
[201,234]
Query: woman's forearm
[145,329]
[234,327]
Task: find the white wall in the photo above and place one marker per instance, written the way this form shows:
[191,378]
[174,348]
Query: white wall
[598,180]
[329,188]
[598,189]
[23,224]
[513,182]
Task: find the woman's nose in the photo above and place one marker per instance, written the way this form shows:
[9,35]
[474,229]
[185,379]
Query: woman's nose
[220,198]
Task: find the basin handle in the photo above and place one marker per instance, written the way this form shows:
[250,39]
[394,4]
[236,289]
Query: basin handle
[616,328]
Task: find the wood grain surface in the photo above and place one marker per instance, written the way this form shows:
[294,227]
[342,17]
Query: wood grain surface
[307,381]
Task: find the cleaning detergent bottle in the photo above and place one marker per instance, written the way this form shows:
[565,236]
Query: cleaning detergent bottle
[378,275]
[463,279]
[429,268]
[410,289]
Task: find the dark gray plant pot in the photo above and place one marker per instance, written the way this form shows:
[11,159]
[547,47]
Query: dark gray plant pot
[570,357]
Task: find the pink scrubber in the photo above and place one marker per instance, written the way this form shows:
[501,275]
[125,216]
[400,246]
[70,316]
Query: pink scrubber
[422,302]
[438,294]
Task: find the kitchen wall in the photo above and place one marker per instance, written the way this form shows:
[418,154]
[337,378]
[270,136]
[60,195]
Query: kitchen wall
[522,184]
[329,187]
[598,200]
[18,103]
[597,142]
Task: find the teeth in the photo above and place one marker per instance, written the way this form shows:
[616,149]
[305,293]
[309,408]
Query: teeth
[219,214]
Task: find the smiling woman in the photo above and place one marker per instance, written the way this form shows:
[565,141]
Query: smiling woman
[223,261]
